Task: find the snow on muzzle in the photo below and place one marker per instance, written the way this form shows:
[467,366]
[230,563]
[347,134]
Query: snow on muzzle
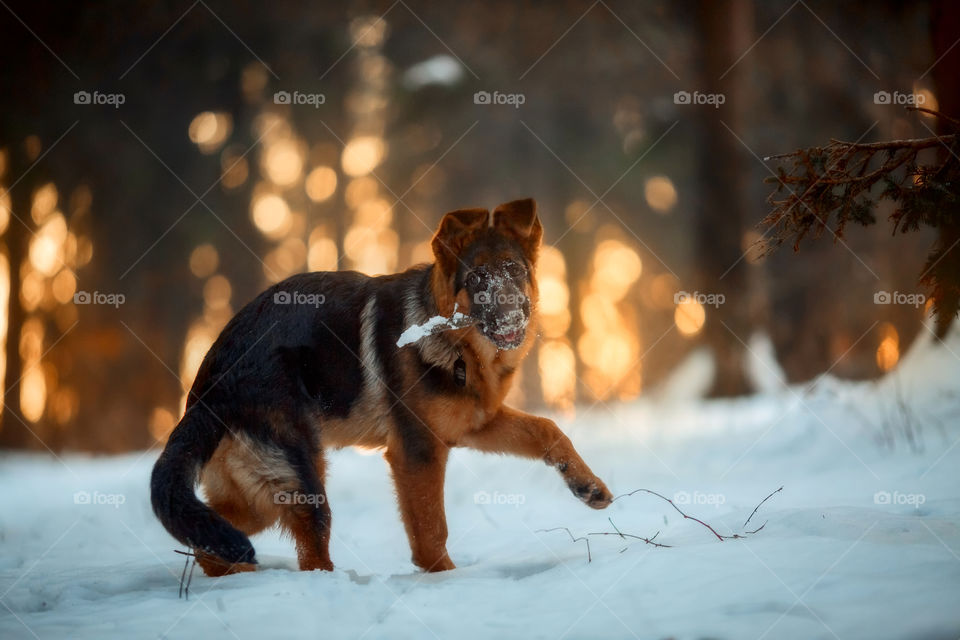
[502,309]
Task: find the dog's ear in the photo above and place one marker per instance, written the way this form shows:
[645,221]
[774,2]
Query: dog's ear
[457,229]
[519,220]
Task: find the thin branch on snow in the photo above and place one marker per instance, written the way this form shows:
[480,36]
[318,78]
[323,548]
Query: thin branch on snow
[679,510]
[753,513]
[185,590]
[624,536]
[572,537]
[652,540]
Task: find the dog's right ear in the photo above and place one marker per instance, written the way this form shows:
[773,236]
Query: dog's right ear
[457,229]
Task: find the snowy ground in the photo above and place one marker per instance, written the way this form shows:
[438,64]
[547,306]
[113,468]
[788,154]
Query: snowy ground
[862,542]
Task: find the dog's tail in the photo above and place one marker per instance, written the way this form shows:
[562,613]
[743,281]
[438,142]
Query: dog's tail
[173,484]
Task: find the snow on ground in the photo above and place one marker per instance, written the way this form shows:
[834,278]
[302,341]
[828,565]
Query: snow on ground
[862,542]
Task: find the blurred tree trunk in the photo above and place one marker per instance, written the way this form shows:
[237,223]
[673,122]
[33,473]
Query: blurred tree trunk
[945,27]
[722,29]
[13,430]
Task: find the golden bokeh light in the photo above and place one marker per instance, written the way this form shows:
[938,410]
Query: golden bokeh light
[556,359]
[63,405]
[689,316]
[557,365]
[282,162]
[368,31]
[31,290]
[4,304]
[291,255]
[660,194]
[44,202]
[200,338]
[46,245]
[375,214]
[271,215]
[360,190]
[322,253]
[362,154]
[610,343]
[422,252]
[580,215]
[33,385]
[321,183]
[660,290]
[64,285]
[33,394]
[162,422]
[269,126]
[84,250]
[216,292]
[204,260]
[616,267]
[6,207]
[234,168]
[554,296]
[371,251]
[888,351]
[209,130]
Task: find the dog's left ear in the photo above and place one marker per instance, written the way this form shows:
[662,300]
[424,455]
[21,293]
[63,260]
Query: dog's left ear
[518,220]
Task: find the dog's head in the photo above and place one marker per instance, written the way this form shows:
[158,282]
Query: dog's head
[489,268]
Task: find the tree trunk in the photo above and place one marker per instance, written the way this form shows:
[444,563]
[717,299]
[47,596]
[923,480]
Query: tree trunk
[723,28]
[13,432]
[945,25]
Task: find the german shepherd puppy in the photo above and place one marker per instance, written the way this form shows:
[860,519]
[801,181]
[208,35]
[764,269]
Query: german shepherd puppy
[313,363]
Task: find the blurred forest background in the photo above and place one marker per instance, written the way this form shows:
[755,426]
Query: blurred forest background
[163,162]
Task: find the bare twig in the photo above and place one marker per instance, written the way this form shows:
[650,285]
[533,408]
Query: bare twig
[184,591]
[572,537]
[624,536]
[752,513]
[680,511]
[652,539]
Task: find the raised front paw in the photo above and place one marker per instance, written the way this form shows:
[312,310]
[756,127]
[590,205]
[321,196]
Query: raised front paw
[592,491]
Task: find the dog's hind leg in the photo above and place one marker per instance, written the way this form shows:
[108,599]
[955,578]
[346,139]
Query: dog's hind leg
[304,512]
[232,492]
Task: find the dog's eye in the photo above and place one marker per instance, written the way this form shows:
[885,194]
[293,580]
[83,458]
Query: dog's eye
[473,279]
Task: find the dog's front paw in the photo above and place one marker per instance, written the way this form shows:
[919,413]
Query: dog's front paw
[591,491]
